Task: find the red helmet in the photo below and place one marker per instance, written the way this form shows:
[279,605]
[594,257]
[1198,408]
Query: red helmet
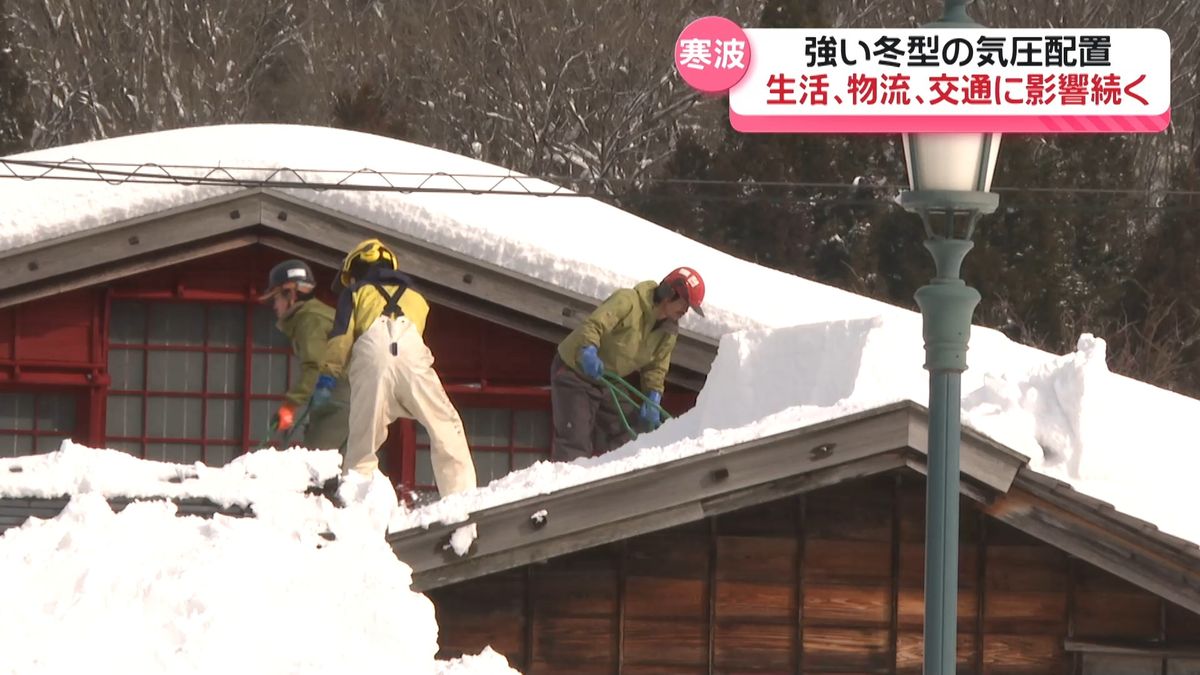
[687,283]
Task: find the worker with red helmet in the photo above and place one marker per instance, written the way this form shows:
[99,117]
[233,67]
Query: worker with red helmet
[633,330]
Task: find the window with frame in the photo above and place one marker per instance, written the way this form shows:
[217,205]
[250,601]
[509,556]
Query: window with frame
[35,422]
[502,440]
[193,381]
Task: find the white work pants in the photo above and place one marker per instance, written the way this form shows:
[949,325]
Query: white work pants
[391,376]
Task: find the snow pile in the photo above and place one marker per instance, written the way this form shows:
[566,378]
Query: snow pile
[1111,437]
[462,539]
[488,661]
[302,587]
[1068,414]
[75,469]
[1107,435]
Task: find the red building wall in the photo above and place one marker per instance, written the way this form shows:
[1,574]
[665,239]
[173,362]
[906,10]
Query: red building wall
[53,341]
[60,344]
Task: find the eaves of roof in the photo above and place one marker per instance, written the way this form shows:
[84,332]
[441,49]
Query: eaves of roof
[850,448]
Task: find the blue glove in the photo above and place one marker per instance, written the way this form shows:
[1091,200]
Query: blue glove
[590,363]
[322,393]
[651,413]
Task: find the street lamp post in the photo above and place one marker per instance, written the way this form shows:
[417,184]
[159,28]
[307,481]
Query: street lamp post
[950,174]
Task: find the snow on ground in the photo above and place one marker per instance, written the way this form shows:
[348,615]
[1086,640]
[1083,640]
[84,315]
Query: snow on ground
[301,588]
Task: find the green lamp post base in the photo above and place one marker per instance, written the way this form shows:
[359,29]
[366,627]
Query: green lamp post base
[947,304]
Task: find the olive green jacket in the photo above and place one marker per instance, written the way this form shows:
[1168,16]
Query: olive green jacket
[627,336]
[308,326]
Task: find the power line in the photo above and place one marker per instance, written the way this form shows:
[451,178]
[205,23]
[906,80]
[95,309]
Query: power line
[512,184]
[897,187]
[1076,207]
[273,177]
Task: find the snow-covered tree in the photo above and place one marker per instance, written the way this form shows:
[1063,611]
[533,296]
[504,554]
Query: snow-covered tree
[16,117]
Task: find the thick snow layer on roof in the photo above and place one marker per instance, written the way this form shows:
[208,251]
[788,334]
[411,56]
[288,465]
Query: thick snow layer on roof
[792,351]
[147,591]
[575,243]
[1109,437]
[76,469]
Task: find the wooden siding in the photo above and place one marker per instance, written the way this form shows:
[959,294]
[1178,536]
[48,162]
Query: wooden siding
[827,582]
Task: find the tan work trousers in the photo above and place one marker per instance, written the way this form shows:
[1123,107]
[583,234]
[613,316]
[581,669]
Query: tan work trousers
[391,376]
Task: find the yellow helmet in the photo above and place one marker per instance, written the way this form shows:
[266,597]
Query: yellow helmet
[367,253]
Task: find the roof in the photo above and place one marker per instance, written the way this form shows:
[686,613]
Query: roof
[14,511]
[872,442]
[525,235]
[883,440]
[539,263]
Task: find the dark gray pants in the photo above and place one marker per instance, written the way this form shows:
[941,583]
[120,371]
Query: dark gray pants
[586,421]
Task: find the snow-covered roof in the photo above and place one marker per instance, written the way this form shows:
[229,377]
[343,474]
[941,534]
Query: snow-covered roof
[792,351]
[554,239]
[854,447]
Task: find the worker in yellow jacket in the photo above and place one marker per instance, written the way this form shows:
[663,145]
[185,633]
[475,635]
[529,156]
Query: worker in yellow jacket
[633,330]
[378,329]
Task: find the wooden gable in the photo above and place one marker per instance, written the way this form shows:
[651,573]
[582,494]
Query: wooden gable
[827,581]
